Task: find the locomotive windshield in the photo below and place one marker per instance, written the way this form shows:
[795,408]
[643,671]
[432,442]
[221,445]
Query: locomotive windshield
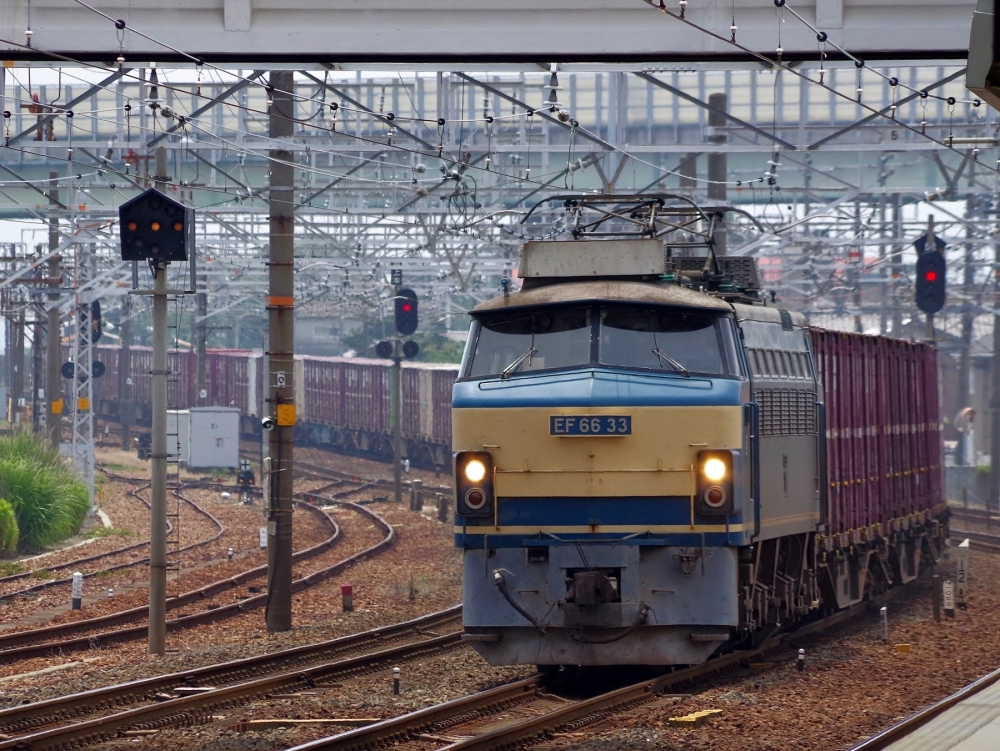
[662,339]
[536,340]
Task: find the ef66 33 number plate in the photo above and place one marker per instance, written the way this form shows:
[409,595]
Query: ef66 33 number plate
[575,425]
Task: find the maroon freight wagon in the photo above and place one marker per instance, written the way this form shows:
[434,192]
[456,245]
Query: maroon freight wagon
[882,426]
[346,406]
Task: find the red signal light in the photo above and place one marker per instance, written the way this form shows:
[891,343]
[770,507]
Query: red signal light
[931,276]
[407,307]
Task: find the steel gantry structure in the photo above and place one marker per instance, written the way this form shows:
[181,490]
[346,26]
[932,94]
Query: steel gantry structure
[328,152]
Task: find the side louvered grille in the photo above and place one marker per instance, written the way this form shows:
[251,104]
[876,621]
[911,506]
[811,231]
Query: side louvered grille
[786,411]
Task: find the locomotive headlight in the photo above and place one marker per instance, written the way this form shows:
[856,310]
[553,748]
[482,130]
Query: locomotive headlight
[716,489]
[714,469]
[475,471]
[474,483]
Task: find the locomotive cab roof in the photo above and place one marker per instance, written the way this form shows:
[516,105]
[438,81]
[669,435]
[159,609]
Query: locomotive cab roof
[605,290]
[636,270]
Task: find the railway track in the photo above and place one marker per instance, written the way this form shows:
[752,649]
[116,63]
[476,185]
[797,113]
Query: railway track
[104,570]
[976,515]
[87,633]
[322,472]
[85,559]
[520,713]
[190,696]
[978,540]
[918,719]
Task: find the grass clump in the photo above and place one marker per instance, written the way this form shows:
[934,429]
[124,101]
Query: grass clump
[48,499]
[109,532]
[11,568]
[9,532]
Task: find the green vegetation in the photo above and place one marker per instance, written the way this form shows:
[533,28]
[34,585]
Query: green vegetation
[8,528]
[10,568]
[109,532]
[47,497]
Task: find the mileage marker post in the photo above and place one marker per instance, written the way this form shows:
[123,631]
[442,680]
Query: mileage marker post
[961,573]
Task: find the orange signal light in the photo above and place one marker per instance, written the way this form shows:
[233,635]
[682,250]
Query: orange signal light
[155,226]
[132,226]
[178,226]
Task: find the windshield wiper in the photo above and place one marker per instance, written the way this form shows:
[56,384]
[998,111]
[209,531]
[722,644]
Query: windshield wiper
[505,373]
[664,357]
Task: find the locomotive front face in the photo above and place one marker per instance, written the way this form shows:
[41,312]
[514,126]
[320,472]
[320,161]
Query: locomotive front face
[599,451]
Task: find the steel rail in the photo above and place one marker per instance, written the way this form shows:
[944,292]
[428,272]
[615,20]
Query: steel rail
[918,719]
[78,561]
[979,540]
[220,530]
[23,717]
[411,725]
[191,709]
[187,598]
[321,470]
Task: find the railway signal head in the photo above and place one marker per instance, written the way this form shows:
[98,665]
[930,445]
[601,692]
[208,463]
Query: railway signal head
[406,311]
[931,281]
[155,227]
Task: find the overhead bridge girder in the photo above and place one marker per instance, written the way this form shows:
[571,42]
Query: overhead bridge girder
[524,32]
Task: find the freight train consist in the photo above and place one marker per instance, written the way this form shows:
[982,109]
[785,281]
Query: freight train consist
[342,403]
[655,462]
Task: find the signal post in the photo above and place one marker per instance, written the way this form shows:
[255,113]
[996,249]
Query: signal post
[157,230]
[405,318]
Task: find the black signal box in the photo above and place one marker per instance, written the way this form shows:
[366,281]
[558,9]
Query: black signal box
[406,311]
[155,227]
[931,283]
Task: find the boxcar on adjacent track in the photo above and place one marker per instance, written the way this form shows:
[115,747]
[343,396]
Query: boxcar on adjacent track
[343,403]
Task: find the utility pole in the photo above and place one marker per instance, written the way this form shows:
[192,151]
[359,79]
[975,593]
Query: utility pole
[994,496]
[158,482]
[38,422]
[931,247]
[396,415]
[718,165]
[896,266]
[126,409]
[54,349]
[201,303]
[965,360]
[280,306]
[17,366]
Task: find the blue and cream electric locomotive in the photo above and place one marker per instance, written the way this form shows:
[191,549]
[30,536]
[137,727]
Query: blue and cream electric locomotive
[603,429]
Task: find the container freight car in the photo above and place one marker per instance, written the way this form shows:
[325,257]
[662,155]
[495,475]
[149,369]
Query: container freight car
[654,463]
[347,407]
[343,403]
[883,457]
